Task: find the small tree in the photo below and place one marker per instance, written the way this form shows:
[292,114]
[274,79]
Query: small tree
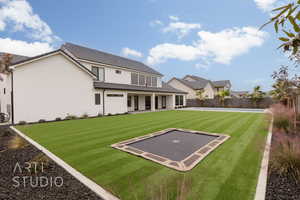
[5,62]
[256,95]
[200,95]
[222,95]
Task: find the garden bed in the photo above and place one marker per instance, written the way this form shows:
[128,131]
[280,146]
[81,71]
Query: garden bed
[280,186]
[18,183]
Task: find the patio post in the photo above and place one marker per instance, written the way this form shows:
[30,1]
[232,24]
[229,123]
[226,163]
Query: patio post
[153,102]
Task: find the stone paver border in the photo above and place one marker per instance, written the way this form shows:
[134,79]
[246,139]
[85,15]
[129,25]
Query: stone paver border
[184,165]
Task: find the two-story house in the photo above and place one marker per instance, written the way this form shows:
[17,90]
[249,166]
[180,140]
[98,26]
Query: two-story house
[76,80]
[193,84]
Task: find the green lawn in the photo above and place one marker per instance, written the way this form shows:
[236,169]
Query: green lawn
[230,172]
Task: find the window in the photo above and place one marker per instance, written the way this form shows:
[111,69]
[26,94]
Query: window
[115,95]
[97,99]
[141,79]
[134,78]
[118,71]
[154,81]
[4,91]
[148,81]
[176,100]
[99,72]
[95,71]
[129,101]
[179,100]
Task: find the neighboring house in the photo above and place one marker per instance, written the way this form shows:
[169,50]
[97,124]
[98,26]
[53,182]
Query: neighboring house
[75,80]
[193,84]
[239,94]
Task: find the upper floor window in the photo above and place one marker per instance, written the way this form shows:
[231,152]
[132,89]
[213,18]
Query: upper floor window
[118,71]
[154,81]
[134,78]
[141,79]
[148,80]
[99,72]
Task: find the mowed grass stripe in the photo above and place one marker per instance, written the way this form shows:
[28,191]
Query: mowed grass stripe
[85,145]
[223,166]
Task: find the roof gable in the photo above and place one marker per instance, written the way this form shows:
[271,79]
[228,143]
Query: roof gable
[94,55]
[45,55]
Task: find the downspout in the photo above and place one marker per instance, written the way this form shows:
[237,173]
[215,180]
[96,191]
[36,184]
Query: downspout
[12,99]
[103,102]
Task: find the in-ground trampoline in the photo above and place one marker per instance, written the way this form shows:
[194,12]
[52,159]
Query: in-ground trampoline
[179,149]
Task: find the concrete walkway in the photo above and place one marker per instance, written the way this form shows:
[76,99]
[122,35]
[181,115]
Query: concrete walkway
[252,110]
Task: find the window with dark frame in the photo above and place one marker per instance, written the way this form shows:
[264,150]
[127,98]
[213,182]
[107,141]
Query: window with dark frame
[181,100]
[4,90]
[118,71]
[176,100]
[129,101]
[97,99]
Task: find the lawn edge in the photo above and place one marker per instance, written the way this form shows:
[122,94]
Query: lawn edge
[261,186]
[98,190]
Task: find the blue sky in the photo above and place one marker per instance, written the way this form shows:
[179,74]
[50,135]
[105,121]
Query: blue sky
[213,40]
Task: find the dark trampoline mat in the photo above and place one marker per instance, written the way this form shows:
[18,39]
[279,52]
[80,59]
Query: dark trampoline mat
[175,145]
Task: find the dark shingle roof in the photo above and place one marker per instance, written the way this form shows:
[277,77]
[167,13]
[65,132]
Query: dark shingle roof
[221,83]
[106,58]
[196,85]
[15,58]
[165,87]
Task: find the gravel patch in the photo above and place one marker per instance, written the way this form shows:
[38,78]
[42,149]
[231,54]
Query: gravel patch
[17,183]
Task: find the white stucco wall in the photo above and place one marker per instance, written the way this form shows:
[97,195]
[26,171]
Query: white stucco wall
[115,105]
[53,87]
[178,85]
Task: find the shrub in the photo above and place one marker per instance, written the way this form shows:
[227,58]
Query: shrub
[68,117]
[283,117]
[22,123]
[84,116]
[42,121]
[109,114]
[17,143]
[285,155]
[57,119]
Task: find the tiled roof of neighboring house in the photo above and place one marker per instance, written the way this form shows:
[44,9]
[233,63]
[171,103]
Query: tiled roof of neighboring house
[165,87]
[94,55]
[197,78]
[221,83]
[15,57]
[196,85]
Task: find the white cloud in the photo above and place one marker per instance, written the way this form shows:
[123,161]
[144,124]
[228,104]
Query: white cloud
[20,15]
[156,22]
[131,52]
[181,28]
[162,52]
[225,45]
[24,48]
[220,47]
[173,18]
[265,5]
